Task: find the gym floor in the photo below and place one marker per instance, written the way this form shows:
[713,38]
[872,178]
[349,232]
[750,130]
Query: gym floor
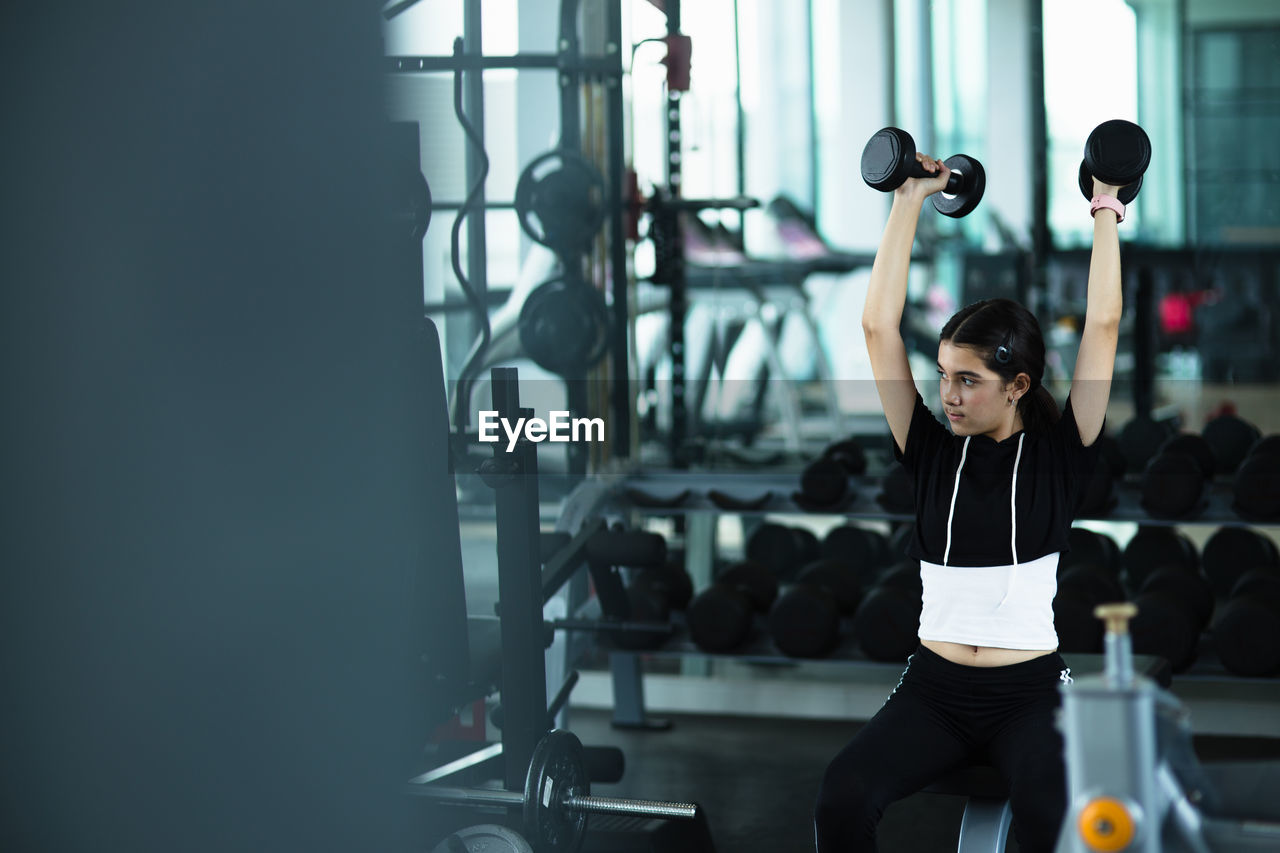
[756,778]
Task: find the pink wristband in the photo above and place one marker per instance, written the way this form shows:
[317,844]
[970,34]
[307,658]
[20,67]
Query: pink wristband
[1107,201]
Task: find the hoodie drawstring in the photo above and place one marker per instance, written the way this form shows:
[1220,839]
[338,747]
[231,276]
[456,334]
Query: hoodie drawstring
[1013,513]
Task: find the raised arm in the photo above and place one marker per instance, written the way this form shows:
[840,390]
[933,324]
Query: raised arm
[887,295]
[1095,363]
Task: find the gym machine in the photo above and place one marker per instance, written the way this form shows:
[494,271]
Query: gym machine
[562,201]
[1134,783]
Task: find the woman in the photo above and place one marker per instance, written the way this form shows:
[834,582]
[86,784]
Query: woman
[995,497]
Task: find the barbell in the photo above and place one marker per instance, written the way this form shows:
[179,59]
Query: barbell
[556,798]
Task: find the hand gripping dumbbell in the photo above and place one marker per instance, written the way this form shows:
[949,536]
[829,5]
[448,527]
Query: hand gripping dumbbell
[889,158]
[1117,152]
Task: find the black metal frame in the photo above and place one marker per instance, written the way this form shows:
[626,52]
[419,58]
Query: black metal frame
[573,69]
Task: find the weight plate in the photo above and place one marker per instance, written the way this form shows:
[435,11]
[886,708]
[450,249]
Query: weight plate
[1117,152]
[886,158]
[564,327]
[556,772]
[1127,193]
[560,201]
[973,184]
[484,838]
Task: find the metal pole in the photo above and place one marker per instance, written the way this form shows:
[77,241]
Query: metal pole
[524,683]
[679,412]
[473,98]
[620,392]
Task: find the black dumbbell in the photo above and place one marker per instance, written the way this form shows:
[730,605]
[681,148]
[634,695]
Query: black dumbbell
[1174,606]
[1173,483]
[1117,152]
[1256,488]
[1140,438]
[781,549]
[1246,634]
[805,619]
[865,551]
[1082,586]
[889,158]
[1093,548]
[824,483]
[849,454]
[1233,551]
[720,616]
[1153,547]
[824,486]
[1230,437]
[887,623]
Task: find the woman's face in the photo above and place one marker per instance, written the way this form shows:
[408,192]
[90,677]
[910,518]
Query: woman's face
[975,399]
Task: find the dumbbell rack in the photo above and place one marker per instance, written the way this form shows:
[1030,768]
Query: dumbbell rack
[687,494]
[656,491]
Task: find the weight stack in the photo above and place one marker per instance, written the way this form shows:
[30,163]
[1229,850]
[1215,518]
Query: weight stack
[624,834]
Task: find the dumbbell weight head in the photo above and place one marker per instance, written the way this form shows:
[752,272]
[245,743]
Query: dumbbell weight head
[1196,447]
[1174,605]
[850,456]
[973,184]
[1117,152]
[889,159]
[781,549]
[1139,440]
[1246,634]
[1267,445]
[1173,485]
[887,622]
[1256,488]
[1231,552]
[1082,587]
[1153,547]
[805,621]
[1229,438]
[759,584]
[865,550]
[1092,548]
[824,485]
[837,577]
[720,617]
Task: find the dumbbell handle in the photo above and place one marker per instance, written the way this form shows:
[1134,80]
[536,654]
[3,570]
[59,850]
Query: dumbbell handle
[601,805]
[954,180]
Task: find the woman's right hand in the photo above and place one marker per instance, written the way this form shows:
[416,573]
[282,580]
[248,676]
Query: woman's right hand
[918,189]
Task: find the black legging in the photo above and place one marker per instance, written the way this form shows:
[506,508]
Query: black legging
[942,715]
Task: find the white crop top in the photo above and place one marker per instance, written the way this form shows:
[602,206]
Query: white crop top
[1004,607]
[1008,607]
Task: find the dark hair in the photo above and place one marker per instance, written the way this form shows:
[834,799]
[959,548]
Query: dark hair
[1007,337]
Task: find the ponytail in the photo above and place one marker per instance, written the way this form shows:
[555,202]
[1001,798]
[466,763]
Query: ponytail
[1038,410]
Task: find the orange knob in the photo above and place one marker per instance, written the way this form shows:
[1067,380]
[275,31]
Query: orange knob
[1105,825]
